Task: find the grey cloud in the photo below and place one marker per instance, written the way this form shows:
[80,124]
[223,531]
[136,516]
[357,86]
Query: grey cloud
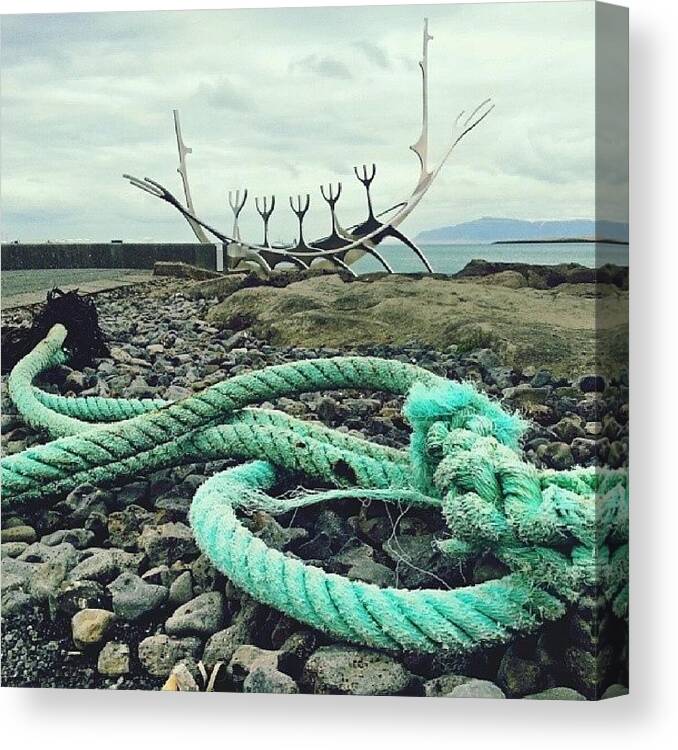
[374,53]
[280,101]
[322,65]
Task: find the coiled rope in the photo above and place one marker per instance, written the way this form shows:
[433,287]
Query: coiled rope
[558,532]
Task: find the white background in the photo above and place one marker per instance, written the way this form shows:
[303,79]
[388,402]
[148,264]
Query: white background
[72,719]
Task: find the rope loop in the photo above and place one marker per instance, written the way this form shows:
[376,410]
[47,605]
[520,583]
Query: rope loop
[556,532]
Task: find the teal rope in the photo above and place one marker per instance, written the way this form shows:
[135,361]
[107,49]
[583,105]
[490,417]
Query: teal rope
[556,531]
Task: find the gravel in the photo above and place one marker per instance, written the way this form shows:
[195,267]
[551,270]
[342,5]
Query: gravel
[106,588]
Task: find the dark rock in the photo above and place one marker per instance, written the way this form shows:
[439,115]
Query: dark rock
[518,675]
[592,383]
[125,527]
[72,596]
[159,653]
[133,598]
[221,646]
[372,572]
[168,543]
[541,378]
[266,679]
[569,428]
[556,456]
[181,589]
[203,615]
[79,538]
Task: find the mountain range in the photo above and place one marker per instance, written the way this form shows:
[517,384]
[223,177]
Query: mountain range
[490,229]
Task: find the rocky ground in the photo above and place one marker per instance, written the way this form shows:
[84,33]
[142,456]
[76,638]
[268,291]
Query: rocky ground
[107,589]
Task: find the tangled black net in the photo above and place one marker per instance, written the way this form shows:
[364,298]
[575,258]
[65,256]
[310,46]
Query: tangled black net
[85,339]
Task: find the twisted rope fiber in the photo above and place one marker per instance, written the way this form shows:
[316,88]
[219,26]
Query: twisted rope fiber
[557,532]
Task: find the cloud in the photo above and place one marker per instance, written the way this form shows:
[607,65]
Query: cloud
[280,101]
[374,53]
[322,65]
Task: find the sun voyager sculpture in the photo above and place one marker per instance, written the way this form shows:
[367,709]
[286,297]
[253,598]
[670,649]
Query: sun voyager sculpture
[341,247]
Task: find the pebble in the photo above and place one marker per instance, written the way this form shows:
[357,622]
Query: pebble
[203,615]
[477,689]
[133,598]
[168,543]
[556,694]
[13,549]
[165,351]
[159,653]
[19,534]
[181,589]
[90,626]
[355,671]
[114,659]
[265,679]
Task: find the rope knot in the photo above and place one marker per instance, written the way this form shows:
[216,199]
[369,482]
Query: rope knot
[452,414]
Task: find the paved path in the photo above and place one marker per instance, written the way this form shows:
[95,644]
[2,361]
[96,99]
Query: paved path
[23,288]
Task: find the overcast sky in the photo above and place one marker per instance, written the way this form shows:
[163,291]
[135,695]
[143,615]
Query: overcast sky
[279,101]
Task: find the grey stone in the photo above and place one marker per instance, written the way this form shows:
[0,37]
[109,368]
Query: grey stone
[615,691]
[477,689]
[114,659]
[203,615]
[13,549]
[16,574]
[181,589]
[105,565]
[159,653]
[19,534]
[168,543]
[354,671]
[372,572]
[556,694]
[266,679]
[16,602]
[444,684]
[133,598]
[78,538]
[221,646]
[47,580]
[244,659]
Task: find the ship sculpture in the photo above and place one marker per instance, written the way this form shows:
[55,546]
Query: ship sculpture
[341,248]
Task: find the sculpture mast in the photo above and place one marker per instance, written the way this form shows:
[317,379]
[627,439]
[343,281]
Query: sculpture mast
[183,151]
[420,148]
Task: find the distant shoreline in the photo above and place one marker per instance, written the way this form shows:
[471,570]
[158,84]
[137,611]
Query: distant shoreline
[570,240]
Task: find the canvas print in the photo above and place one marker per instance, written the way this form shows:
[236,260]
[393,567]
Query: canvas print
[314,351]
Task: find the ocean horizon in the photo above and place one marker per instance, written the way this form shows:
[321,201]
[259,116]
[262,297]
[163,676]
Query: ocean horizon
[449,259]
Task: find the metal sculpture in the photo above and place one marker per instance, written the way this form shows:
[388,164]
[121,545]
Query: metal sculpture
[342,247]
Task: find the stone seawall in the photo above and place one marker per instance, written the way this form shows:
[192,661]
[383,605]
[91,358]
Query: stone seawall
[20,257]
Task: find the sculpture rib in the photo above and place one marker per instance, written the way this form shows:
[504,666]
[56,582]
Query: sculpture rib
[354,245]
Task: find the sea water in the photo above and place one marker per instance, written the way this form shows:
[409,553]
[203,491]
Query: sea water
[452,258]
